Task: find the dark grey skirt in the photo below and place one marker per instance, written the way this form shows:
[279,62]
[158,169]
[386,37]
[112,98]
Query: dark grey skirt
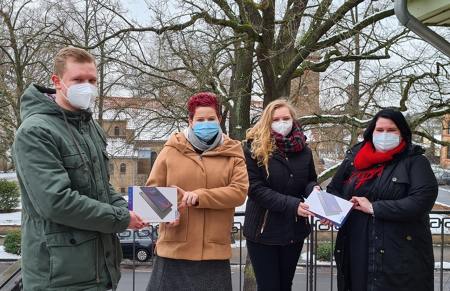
[173,275]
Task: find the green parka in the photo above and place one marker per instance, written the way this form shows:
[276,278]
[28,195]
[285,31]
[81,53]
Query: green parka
[71,213]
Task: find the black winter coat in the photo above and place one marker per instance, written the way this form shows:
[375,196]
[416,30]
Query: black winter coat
[271,210]
[392,250]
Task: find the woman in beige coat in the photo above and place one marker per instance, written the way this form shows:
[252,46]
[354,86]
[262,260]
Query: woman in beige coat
[209,170]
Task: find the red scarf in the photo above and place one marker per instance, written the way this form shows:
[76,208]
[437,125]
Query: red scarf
[367,157]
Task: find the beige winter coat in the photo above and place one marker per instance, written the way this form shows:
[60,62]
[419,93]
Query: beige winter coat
[219,177]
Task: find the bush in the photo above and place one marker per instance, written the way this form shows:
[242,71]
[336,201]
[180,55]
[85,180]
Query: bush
[12,242]
[324,252]
[9,196]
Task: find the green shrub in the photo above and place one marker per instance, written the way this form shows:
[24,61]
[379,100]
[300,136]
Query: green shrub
[323,252]
[12,242]
[9,196]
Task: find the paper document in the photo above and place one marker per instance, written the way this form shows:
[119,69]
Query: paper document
[327,206]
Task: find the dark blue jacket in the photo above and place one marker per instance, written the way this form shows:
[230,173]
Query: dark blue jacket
[271,211]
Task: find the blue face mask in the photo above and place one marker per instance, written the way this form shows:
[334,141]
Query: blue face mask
[206,130]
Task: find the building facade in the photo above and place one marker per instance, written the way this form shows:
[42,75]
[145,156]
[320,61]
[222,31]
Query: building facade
[132,143]
[445,150]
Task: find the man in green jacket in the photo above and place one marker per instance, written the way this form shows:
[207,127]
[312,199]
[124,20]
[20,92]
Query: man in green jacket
[71,213]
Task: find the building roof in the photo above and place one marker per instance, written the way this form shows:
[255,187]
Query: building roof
[148,120]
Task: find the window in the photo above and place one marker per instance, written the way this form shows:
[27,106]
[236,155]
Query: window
[305,90]
[448,152]
[122,190]
[153,158]
[123,168]
[116,131]
[111,168]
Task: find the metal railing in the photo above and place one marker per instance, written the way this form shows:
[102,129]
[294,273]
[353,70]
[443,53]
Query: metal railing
[440,225]
[10,280]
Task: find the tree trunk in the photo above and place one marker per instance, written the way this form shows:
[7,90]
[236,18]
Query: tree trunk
[240,91]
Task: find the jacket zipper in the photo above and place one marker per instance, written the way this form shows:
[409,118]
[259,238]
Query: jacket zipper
[96,240]
[265,219]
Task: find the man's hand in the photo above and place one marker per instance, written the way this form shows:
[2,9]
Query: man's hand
[136,222]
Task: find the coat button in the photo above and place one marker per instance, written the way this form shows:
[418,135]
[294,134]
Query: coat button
[109,286]
[382,251]
[338,251]
[394,179]
[351,163]
[100,192]
[292,175]
[409,237]
[73,241]
[292,241]
[107,254]
[94,159]
[119,211]
[82,131]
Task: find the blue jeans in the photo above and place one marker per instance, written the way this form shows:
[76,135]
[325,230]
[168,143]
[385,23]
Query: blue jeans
[274,265]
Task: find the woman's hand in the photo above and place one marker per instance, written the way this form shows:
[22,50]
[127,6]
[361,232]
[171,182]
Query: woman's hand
[189,198]
[174,223]
[326,222]
[362,203]
[302,210]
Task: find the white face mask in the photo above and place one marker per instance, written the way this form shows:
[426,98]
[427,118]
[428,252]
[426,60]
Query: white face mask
[81,96]
[282,127]
[385,142]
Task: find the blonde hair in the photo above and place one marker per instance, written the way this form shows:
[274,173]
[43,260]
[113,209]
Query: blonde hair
[263,143]
[72,53]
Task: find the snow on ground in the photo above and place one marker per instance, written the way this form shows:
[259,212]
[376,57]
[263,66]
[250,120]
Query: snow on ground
[14,218]
[7,256]
[10,176]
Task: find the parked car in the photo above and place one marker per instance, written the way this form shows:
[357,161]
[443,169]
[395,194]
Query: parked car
[443,178]
[144,244]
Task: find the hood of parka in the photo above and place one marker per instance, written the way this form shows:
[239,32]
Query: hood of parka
[34,101]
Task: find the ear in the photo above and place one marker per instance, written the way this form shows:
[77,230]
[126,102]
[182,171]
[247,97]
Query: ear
[220,120]
[191,124]
[57,82]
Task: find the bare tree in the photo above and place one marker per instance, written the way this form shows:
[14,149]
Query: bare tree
[24,57]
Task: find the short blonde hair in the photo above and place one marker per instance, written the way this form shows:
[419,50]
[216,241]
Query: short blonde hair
[263,143]
[72,53]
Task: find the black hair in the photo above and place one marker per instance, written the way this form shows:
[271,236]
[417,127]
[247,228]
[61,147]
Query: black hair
[399,120]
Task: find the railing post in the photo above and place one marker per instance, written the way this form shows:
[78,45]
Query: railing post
[311,257]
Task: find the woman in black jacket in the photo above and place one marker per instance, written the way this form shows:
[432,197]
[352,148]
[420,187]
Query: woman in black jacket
[385,243]
[281,173]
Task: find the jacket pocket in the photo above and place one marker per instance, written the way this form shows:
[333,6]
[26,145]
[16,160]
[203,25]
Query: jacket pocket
[178,233]
[218,223]
[73,256]
[74,166]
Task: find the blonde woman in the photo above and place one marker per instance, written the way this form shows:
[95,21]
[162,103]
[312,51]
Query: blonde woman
[281,173]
